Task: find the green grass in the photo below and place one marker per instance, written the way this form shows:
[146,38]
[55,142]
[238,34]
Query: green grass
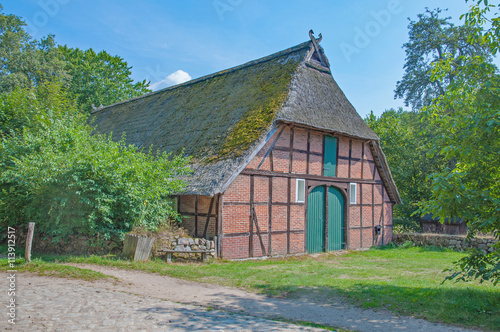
[407,281]
[52,269]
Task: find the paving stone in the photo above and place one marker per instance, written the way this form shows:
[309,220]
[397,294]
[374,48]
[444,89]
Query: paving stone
[66,306]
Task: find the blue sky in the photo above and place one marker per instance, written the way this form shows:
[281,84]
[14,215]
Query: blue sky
[169,41]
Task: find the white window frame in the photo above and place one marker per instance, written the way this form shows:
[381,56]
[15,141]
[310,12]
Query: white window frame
[353,193]
[303,182]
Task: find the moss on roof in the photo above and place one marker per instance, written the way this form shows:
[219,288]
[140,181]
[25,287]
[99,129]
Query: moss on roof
[210,119]
[268,94]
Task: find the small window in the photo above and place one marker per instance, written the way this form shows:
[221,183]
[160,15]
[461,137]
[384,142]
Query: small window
[300,191]
[330,157]
[352,193]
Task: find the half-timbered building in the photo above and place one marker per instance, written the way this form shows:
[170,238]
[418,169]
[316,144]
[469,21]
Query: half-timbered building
[282,162]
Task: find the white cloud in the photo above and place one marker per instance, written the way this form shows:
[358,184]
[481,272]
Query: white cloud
[177,77]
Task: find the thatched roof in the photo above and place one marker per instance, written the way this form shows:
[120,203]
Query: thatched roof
[221,120]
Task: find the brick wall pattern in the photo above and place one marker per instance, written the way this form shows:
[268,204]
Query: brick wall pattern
[260,215]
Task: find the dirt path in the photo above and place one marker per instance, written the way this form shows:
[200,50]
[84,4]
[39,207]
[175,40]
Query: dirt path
[335,313]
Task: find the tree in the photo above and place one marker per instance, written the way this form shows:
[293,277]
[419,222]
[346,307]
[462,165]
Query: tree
[468,117]
[52,169]
[54,172]
[433,39]
[405,140]
[23,109]
[99,78]
[25,62]
[92,78]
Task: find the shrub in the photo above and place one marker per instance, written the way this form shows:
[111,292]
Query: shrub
[68,181]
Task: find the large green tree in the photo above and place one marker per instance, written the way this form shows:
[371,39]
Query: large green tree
[433,38]
[52,170]
[91,78]
[24,61]
[405,139]
[468,118]
[22,108]
[99,78]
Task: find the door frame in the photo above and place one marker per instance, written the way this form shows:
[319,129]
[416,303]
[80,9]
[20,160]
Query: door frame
[344,189]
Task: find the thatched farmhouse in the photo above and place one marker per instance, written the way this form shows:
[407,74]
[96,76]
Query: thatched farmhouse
[282,162]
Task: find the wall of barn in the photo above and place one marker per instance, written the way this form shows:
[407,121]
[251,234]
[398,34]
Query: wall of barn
[195,211]
[373,206]
[268,184]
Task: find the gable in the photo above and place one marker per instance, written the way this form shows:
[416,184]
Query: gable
[299,152]
[317,101]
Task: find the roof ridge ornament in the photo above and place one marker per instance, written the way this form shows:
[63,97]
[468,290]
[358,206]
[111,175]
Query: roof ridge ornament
[317,48]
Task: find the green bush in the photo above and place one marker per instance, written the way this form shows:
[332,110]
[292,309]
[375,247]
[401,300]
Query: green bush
[55,173]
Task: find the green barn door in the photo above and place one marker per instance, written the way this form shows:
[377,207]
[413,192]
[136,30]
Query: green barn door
[335,219]
[330,161]
[316,220]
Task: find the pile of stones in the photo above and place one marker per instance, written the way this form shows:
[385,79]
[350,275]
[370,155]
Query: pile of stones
[185,246]
[190,244]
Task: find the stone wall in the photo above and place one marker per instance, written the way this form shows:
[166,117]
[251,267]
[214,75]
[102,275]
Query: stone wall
[186,245]
[455,242]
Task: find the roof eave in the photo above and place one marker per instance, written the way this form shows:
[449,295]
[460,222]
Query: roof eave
[325,130]
[386,172]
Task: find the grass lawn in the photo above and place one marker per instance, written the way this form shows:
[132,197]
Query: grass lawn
[42,268]
[406,281]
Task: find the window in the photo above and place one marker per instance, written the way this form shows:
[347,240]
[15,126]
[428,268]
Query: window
[300,191]
[330,157]
[352,193]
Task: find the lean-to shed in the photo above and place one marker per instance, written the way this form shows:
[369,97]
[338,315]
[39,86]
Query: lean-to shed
[282,162]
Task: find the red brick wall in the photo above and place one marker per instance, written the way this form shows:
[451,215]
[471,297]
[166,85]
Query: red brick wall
[235,247]
[297,243]
[235,218]
[236,223]
[315,165]
[239,190]
[300,139]
[282,226]
[281,152]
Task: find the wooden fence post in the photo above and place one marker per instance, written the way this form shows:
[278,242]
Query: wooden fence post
[29,239]
[216,247]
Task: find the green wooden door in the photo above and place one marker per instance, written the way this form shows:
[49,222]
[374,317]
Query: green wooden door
[335,219]
[316,220]
[330,160]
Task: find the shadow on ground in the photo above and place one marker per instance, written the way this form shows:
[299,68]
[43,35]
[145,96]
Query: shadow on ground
[329,306]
